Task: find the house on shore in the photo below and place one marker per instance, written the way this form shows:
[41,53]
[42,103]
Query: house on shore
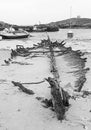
[39,28]
[44,27]
[26,28]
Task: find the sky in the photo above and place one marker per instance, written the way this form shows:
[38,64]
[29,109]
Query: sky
[30,12]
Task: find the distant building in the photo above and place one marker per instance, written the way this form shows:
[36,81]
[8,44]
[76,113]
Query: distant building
[35,27]
[39,28]
[26,28]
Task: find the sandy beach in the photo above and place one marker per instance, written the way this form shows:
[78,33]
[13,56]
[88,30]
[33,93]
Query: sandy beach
[20,111]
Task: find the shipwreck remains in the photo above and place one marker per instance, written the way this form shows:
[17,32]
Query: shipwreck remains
[20,51]
[60,98]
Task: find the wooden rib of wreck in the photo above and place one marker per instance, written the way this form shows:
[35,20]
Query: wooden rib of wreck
[20,51]
[28,91]
[15,53]
[75,59]
[60,98]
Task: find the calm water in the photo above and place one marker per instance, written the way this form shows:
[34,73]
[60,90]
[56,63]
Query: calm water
[62,34]
[79,34]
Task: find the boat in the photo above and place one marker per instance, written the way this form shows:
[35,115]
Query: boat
[3,36]
[7,34]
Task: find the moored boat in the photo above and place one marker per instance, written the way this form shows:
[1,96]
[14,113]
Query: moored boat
[13,36]
[8,34]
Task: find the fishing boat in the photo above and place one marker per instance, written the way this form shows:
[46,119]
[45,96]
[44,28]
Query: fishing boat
[8,34]
[15,36]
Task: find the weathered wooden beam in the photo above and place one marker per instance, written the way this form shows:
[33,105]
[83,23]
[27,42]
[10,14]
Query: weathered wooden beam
[59,100]
[59,96]
[28,91]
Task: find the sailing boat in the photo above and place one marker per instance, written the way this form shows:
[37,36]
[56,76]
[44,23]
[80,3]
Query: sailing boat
[70,33]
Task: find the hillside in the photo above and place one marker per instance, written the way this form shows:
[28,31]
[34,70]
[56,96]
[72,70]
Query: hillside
[4,25]
[75,23]
[39,28]
[53,26]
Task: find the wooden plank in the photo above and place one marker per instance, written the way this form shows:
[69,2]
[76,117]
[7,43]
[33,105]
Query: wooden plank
[59,96]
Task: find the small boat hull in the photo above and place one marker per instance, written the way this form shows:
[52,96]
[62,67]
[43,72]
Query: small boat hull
[14,36]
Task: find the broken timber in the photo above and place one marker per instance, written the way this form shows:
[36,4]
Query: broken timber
[28,91]
[59,96]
